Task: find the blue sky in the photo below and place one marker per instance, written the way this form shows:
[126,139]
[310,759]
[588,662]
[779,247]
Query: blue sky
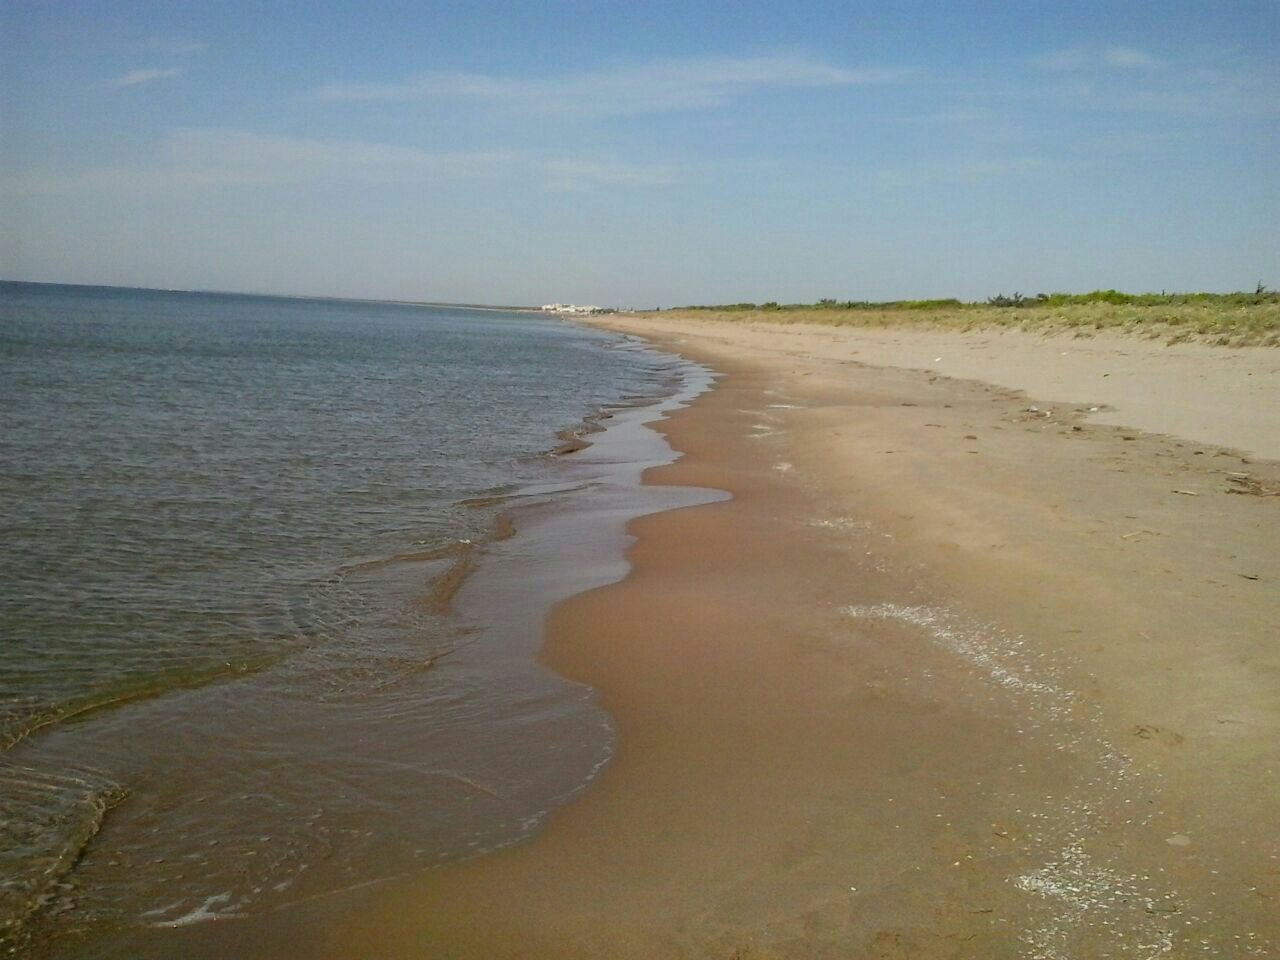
[641,154]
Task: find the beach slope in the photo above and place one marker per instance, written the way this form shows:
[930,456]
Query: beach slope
[965,668]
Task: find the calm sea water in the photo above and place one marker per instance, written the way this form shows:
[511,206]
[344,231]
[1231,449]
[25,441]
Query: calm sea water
[232,530]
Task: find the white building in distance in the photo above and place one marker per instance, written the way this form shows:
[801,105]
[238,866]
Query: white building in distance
[573,308]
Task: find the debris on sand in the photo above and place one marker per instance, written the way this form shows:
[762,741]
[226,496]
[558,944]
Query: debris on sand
[1250,486]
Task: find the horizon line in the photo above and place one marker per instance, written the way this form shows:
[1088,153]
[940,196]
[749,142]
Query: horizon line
[276,296]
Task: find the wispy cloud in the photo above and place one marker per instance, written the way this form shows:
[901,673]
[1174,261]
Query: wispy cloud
[1077,59]
[1190,85]
[135,77]
[652,88]
[218,156]
[1128,58]
[1191,93]
[190,158]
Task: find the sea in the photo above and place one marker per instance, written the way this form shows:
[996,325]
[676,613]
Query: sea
[272,586]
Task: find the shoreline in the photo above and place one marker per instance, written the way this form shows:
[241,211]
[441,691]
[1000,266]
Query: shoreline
[546,540]
[860,718]
[492,800]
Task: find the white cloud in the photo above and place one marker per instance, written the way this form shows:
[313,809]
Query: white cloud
[135,77]
[222,157]
[671,85]
[1076,59]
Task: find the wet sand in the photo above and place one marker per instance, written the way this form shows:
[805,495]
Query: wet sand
[958,672]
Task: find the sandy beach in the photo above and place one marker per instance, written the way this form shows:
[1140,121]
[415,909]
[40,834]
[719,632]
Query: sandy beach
[548,481]
[965,668]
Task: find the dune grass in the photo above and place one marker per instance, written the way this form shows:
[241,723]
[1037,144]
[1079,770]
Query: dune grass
[1229,319]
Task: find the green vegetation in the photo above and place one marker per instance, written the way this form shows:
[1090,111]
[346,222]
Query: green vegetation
[1235,319]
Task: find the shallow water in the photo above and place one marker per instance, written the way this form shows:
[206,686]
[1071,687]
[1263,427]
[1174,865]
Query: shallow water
[259,640]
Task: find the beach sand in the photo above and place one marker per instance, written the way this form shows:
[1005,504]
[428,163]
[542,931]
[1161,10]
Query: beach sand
[964,669]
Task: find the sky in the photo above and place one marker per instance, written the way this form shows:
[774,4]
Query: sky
[641,154]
